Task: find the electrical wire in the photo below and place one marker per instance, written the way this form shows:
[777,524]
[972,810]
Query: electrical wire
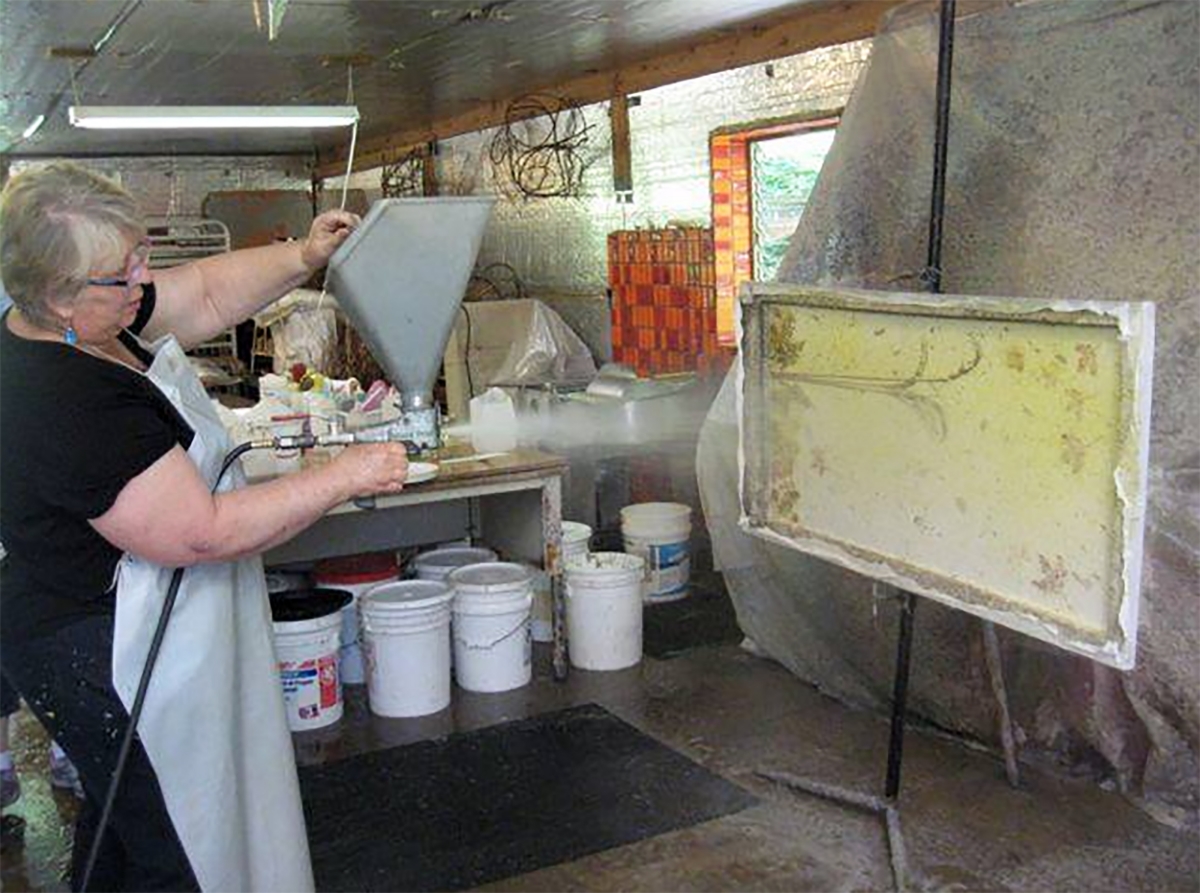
[139,699]
[467,351]
[484,285]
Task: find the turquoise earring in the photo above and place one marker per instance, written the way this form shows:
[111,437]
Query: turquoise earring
[71,336]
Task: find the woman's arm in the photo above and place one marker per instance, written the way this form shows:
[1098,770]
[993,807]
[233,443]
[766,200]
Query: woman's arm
[199,300]
[168,516]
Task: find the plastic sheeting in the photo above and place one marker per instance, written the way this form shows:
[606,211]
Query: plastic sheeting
[303,327]
[1074,171]
[520,343]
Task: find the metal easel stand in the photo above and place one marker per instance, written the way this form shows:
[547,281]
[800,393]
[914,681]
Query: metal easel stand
[886,807]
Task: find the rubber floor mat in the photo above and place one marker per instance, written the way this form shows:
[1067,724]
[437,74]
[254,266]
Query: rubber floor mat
[485,805]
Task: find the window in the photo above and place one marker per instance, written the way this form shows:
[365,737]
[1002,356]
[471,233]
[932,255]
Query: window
[762,175]
[783,171]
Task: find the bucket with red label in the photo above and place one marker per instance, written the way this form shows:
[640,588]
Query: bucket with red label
[308,625]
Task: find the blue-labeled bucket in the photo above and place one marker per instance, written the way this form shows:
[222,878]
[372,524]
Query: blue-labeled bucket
[660,534]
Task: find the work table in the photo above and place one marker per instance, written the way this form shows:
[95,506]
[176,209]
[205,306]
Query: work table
[511,502]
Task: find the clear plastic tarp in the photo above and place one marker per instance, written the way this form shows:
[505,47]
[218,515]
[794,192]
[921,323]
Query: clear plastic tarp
[1074,172]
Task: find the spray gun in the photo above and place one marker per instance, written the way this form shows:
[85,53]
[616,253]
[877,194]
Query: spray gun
[386,432]
[400,430]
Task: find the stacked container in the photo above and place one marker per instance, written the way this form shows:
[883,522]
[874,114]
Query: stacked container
[406,637]
[492,640]
[354,574]
[437,564]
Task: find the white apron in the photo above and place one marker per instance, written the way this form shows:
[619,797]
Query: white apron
[214,723]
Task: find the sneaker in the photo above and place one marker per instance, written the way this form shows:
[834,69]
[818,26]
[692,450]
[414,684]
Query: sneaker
[10,788]
[64,775]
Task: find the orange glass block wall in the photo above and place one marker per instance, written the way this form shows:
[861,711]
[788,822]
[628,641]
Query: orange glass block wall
[732,225]
[733,211]
[663,299]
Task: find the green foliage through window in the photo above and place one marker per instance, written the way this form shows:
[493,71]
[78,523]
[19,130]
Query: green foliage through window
[783,173]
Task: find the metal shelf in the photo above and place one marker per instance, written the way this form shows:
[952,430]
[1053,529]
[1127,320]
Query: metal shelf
[178,240]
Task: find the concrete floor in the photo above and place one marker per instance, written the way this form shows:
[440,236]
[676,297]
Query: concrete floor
[965,828]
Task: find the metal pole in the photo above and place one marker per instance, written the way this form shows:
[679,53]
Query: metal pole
[937,203]
[933,282]
[932,277]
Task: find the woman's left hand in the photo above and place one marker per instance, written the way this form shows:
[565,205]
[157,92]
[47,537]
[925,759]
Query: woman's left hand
[328,231]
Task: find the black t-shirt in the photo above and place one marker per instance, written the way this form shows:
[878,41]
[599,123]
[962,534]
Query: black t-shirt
[74,430]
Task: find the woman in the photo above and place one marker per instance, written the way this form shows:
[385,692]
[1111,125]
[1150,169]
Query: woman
[108,450]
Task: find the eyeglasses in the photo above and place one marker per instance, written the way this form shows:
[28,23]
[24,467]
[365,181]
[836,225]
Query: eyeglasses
[135,266]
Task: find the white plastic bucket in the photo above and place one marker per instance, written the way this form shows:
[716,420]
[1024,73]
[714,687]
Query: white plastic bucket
[575,539]
[604,610]
[438,563]
[307,626]
[492,645]
[354,574]
[406,643]
[660,533]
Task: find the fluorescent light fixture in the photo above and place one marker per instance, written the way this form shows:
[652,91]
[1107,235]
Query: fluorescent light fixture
[208,117]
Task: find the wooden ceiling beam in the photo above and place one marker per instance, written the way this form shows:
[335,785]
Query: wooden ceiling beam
[809,27]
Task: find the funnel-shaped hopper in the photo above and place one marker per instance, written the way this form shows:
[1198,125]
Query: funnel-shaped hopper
[400,279]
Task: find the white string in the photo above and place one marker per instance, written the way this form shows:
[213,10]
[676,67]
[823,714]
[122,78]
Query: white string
[349,162]
[346,190]
[353,134]
[349,170]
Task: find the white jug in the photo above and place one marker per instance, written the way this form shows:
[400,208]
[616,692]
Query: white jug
[493,422]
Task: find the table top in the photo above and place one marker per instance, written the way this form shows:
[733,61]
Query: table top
[455,470]
[458,468]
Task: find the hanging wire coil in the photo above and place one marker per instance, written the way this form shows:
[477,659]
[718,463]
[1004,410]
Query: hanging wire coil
[497,281]
[539,146]
[405,177]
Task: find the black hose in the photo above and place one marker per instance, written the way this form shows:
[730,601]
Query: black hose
[140,698]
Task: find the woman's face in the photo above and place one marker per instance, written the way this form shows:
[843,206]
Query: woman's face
[111,299]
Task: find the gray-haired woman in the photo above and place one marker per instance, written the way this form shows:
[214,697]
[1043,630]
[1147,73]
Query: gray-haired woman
[108,449]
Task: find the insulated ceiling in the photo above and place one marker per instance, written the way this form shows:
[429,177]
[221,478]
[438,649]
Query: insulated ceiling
[414,61]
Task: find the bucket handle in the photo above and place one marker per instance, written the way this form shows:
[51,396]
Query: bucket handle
[480,646]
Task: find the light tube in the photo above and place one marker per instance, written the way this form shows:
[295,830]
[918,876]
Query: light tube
[208,117]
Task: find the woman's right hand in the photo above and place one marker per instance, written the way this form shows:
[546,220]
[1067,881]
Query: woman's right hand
[374,468]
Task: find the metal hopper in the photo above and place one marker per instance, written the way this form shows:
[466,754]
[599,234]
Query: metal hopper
[400,279]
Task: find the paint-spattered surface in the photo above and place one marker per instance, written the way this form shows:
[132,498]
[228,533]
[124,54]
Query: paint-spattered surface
[987,453]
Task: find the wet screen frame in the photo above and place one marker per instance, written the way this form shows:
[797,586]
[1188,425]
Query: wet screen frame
[988,453]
